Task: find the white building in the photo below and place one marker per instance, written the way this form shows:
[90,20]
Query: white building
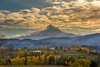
[52,48]
[37,51]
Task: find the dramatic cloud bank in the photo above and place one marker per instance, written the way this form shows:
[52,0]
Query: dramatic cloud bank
[79,15]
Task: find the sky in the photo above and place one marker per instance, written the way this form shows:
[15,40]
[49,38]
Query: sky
[22,17]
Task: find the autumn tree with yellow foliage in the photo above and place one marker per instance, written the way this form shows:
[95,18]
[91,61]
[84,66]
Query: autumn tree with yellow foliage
[81,63]
[18,61]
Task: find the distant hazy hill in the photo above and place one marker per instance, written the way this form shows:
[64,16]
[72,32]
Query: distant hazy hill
[47,41]
[88,39]
[82,40]
[50,31]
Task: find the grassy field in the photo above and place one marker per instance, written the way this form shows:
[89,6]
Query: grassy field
[33,66]
[72,54]
[76,54]
[69,53]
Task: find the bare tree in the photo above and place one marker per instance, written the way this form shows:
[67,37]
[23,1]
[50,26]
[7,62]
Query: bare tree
[10,47]
[2,39]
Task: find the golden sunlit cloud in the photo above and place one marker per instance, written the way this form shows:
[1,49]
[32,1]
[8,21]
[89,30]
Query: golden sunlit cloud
[73,15]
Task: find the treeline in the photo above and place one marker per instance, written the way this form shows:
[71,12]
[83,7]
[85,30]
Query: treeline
[48,58]
[86,50]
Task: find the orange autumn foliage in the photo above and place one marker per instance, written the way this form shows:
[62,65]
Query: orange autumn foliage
[65,62]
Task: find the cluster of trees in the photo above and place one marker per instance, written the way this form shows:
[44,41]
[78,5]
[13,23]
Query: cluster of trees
[48,58]
[86,50]
[81,63]
[32,60]
[43,59]
[84,63]
[52,60]
[24,58]
[64,60]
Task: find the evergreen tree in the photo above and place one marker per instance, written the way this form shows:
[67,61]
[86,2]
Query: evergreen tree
[51,60]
